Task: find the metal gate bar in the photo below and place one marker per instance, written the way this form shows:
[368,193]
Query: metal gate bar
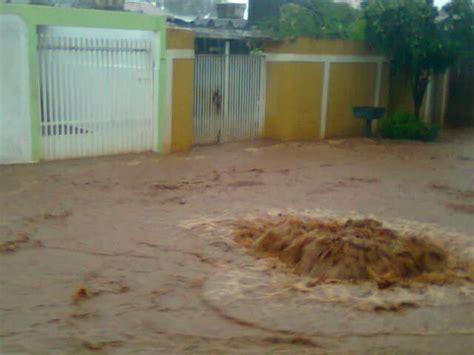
[97,93]
[208,92]
[228,97]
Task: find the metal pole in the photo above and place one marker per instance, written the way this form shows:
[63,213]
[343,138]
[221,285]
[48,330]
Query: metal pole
[368,128]
[226,88]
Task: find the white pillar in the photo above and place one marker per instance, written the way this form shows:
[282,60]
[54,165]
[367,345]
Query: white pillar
[325,99]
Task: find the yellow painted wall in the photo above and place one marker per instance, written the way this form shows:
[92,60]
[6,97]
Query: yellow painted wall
[179,39]
[385,94]
[319,46]
[182,106]
[350,84]
[294,90]
[293,103]
[182,90]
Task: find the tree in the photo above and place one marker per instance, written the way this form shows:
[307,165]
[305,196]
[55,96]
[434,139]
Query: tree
[458,22]
[312,18]
[416,39]
[261,9]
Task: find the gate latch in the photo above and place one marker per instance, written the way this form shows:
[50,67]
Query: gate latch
[217,100]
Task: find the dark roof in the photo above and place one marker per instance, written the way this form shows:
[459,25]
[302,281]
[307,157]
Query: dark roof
[229,24]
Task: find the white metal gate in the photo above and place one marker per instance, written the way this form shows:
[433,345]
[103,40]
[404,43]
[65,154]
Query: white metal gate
[97,91]
[229,95]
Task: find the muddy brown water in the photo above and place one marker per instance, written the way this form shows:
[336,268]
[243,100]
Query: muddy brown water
[121,228]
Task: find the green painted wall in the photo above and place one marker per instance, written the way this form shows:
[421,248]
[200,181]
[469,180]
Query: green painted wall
[35,16]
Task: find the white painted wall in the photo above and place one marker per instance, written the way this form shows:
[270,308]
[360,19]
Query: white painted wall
[15,121]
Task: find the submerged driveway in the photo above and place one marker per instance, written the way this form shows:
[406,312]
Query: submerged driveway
[126,254]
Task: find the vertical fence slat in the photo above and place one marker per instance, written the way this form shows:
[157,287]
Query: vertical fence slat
[97,93]
[44,96]
[241,91]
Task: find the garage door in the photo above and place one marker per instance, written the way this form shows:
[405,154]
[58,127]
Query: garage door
[97,91]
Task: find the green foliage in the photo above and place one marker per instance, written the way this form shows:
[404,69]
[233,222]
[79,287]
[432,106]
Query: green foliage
[403,125]
[416,39]
[458,22]
[312,18]
[255,46]
[408,33]
[358,28]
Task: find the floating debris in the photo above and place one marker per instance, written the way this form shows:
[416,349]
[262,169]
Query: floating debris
[81,294]
[329,250]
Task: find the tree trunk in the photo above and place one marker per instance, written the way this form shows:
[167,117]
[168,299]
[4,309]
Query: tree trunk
[420,83]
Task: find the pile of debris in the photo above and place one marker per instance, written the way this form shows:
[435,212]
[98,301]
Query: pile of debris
[329,250]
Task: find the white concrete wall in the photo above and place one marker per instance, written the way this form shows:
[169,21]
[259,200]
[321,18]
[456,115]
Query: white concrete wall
[15,120]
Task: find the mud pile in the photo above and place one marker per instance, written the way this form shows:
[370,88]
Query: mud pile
[348,251]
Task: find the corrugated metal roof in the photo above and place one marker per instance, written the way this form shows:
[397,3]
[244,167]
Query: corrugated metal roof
[217,28]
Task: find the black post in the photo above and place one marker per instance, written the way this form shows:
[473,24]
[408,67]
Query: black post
[368,128]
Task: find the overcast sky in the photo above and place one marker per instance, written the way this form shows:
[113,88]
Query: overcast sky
[441,3]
